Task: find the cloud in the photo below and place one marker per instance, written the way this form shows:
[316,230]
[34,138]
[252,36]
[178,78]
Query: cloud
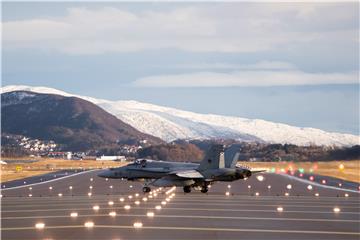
[262,65]
[216,27]
[246,78]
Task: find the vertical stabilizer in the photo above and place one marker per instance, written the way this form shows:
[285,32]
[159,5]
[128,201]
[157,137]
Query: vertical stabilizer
[232,154]
[234,160]
[214,158]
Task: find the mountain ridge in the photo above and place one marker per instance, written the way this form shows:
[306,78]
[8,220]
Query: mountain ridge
[170,124]
[74,122]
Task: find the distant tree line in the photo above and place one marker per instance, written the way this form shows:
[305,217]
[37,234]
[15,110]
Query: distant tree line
[172,152]
[252,151]
[193,150]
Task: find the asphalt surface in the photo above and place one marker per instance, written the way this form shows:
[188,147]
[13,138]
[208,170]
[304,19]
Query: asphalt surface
[38,179]
[251,210]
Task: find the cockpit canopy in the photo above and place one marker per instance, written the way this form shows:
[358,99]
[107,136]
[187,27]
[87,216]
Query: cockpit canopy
[140,162]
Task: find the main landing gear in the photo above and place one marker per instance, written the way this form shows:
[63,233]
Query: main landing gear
[187,189]
[204,189]
[146,189]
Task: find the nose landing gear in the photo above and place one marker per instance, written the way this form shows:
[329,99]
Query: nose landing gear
[146,189]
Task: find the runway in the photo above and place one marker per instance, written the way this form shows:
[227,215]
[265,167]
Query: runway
[270,206]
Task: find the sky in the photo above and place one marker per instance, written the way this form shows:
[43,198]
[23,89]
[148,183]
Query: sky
[294,63]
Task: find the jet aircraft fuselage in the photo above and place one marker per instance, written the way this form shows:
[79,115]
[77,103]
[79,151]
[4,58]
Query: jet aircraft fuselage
[188,175]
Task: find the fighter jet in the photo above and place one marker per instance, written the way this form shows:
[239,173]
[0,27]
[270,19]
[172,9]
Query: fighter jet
[211,169]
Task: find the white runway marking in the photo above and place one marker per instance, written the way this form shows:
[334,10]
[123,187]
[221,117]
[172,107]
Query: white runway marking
[197,229]
[193,216]
[214,197]
[42,201]
[317,184]
[183,209]
[52,180]
[290,204]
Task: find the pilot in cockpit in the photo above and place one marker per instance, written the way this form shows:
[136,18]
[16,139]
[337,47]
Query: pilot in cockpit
[140,162]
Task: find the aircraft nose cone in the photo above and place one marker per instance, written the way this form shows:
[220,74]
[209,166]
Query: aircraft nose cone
[104,174]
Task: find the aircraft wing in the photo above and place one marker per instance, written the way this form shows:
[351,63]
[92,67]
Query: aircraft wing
[258,171]
[187,174]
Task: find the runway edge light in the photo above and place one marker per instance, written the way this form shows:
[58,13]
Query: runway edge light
[40,225]
[138,224]
[89,224]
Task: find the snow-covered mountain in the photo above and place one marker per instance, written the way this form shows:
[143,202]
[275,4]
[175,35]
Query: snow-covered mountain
[170,123]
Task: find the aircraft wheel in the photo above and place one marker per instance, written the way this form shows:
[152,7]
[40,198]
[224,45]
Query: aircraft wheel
[187,189]
[146,189]
[204,190]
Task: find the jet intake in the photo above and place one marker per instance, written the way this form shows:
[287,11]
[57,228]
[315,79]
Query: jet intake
[163,182]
